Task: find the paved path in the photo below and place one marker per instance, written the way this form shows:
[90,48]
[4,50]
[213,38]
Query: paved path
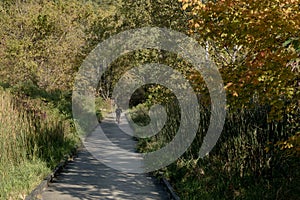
[87,178]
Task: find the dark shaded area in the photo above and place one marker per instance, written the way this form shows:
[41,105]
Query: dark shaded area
[62,100]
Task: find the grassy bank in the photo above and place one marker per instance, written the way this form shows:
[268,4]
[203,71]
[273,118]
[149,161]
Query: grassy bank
[34,137]
[255,157]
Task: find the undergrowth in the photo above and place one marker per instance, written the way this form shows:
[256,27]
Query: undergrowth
[255,158]
[34,137]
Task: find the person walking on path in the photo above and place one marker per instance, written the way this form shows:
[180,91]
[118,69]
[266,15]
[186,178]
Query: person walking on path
[118,114]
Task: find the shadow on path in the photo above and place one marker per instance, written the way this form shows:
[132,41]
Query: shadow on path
[87,178]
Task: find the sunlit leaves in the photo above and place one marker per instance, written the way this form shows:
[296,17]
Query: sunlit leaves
[42,41]
[255,44]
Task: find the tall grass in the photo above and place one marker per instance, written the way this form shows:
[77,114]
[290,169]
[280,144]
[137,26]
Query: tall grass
[246,163]
[33,139]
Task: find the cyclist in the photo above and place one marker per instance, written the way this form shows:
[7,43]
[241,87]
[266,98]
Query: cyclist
[118,114]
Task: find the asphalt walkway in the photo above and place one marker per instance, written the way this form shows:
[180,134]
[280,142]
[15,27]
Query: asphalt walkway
[87,178]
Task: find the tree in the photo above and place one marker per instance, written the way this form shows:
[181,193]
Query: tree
[136,14]
[39,47]
[256,46]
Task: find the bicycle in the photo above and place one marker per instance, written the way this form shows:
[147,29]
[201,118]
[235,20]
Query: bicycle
[118,114]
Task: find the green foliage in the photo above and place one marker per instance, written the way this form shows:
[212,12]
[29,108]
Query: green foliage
[254,43]
[33,135]
[38,46]
[256,46]
[130,15]
[103,107]
[18,180]
[243,165]
[136,14]
[42,44]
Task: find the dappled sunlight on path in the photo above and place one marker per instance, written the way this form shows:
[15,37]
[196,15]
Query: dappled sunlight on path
[87,178]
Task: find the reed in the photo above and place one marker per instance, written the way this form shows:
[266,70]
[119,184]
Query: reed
[30,135]
[245,163]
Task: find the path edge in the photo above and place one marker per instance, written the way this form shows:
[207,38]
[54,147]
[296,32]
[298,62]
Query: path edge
[170,189]
[56,171]
[162,179]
